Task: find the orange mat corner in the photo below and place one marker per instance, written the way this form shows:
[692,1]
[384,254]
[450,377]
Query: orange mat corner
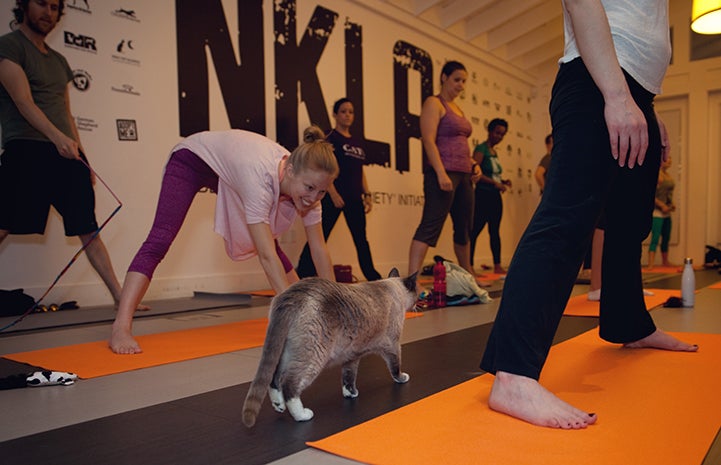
[93,359]
[654,408]
[579,305]
[715,285]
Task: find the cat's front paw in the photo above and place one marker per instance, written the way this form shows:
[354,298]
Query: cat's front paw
[402,378]
[350,392]
[276,399]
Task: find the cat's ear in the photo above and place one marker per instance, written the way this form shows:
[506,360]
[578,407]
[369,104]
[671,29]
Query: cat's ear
[410,282]
[394,273]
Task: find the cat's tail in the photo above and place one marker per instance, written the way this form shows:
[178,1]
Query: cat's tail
[275,337]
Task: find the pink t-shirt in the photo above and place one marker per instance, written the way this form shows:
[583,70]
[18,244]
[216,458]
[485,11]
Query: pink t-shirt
[247,165]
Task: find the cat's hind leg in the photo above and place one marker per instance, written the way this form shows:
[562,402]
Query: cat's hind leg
[298,376]
[393,360]
[350,372]
[276,397]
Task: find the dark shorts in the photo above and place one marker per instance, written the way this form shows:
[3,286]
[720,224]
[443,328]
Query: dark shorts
[34,176]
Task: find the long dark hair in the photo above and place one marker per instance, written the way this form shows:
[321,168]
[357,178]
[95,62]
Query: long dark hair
[450,67]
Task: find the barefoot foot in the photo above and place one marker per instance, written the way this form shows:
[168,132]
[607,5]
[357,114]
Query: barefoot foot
[660,340]
[524,398]
[122,342]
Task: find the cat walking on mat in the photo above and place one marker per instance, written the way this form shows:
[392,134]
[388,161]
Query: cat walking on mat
[317,323]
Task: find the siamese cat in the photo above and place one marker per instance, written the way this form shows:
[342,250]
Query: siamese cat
[316,323]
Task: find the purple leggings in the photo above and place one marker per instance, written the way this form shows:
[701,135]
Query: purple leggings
[185,174]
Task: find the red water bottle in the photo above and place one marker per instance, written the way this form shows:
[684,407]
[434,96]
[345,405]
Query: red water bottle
[439,283]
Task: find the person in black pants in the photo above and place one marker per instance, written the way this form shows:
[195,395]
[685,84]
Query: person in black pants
[608,145]
[488,203]
[348,194]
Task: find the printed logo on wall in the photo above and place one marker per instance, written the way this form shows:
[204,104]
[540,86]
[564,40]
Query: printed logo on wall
[81,79]
[125,89]
[82,6]
[85,124]
[80,42]
[124,47]
[127,129]
[125,14]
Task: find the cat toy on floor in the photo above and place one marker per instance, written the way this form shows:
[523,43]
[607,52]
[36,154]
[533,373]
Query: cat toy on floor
[77,254]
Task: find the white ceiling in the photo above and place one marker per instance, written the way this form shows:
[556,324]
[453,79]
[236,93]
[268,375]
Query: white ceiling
[525,33]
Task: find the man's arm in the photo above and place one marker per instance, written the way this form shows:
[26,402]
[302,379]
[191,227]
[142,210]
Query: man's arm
[13,78]
[626,124]
[71,118]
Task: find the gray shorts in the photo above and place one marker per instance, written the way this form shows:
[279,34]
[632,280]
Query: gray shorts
[438,204]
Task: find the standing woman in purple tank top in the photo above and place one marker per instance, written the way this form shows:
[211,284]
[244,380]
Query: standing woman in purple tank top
[448,171]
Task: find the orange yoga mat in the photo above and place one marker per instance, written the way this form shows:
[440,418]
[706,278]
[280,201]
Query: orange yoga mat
[93,359]
[663,269]
[715,285]
[579,305]
[654,407]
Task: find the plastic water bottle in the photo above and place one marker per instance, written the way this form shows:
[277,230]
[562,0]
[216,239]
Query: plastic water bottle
[688,284]
[439,284]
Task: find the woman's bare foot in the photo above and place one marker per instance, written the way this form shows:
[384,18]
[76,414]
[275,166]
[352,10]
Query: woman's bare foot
[524,398]
[660,340]
[498,269]
[122,342]
[139,308]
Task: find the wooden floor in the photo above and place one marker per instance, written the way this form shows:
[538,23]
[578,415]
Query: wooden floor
[189,412]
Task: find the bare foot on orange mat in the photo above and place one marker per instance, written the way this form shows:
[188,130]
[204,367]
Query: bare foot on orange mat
[660,340]
[524,398]
[498,269]
[122,342]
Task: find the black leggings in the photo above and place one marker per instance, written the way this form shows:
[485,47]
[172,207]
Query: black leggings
[488,209]
[583,181]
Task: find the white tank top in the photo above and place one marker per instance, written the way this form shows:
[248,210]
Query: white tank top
[640,33]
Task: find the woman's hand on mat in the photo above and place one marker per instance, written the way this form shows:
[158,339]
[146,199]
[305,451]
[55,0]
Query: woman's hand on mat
[122,342]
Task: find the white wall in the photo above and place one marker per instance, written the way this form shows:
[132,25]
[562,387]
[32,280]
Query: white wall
[690,87]
[133,169]
[197,259]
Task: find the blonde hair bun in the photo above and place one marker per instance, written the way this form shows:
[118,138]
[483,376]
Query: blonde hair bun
[312,134]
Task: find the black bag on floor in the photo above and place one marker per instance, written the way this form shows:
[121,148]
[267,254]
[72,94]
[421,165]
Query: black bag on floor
[15,302]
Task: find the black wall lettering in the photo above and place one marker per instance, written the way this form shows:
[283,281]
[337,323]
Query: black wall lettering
[242,85]
[377,153]
[296,64]
[408,57]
